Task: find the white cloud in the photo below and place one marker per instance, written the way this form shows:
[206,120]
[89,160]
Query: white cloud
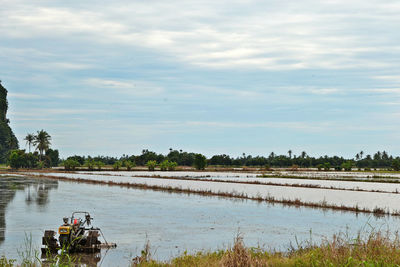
[24,96]
[310,34]
[127,87]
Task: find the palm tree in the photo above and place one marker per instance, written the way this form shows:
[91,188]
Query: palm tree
[29,138]
[42,142]
[290,153]
[361,154]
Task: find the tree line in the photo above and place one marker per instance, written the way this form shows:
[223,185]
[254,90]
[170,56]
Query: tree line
[42,157]
[183,158]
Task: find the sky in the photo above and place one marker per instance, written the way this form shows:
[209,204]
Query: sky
[214,77]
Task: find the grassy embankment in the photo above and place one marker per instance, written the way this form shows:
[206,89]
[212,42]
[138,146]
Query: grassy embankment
[373,249]
[376,249]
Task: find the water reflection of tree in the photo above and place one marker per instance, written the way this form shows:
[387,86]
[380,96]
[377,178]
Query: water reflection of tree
[37,191]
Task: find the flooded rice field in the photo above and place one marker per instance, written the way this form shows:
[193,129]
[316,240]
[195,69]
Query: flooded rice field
[360,195]
[173,222]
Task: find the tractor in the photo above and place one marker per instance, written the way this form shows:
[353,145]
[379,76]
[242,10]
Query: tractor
[75,235]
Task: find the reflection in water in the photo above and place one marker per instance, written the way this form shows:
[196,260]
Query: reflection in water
[79,259]
[36,191]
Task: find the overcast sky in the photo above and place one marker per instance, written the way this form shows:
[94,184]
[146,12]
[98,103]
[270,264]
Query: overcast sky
[115,77]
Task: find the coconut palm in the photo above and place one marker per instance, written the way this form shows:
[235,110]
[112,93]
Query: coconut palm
[29,138]
[42,142]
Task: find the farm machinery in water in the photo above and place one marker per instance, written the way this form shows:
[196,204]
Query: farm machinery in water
[75,235]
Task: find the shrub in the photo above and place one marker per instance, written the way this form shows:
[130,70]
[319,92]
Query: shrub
[20,159]
[347,165]
[200,162]
[89,164]
[129,165]
[164,165]
[327,166]
[71,164]
[99,164]
[151,165]
[117,165]
[320,167]
[172,165]
[396,165]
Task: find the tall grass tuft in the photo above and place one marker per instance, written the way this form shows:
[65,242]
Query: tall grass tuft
[372,249]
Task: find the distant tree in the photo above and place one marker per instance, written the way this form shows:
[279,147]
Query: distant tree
[303,154]
[29,138]
[117,165]
[151,165]
[290,153]
[90,164]
[327,166]
[99,164]
[129,165]
[53,157]
[42,142]
[396,165]
[200,162]
[164,165]
[71,164]
[347,165]
[172,165]
[361,154]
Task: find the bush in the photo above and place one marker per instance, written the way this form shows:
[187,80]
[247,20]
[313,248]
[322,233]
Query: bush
[20,159]
[129,165]
[164,165]
[172,165]
[320,167]
[327,166]
[99,164]
[396,165]
[71,164]
[200,162]
[117,165]
[151,165]
[347,165]
[89,164]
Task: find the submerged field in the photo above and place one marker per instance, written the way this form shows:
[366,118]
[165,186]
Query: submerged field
[377,196]
[180,220]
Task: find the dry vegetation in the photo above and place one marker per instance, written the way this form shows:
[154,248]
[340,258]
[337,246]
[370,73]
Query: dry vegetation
[376,249]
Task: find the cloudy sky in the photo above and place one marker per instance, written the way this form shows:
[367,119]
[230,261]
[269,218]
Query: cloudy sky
[115,77]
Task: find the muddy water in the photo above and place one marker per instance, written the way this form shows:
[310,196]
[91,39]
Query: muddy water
[172,223]
[368,200]
[248,177]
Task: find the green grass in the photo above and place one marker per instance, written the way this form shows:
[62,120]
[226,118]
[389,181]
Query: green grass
[375,249]
[371,249]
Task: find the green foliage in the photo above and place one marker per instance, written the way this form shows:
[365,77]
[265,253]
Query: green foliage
[172,165]
[4,262]
[117,165]
[396,165]
[200,162]
[20,159]
[89,163]
[8,141]
[164,165]
[347,165]
[98,164]
[327,166]
[168,165]
[71,164]
[129,164]
[151,165]
[53,157]
[42,141]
